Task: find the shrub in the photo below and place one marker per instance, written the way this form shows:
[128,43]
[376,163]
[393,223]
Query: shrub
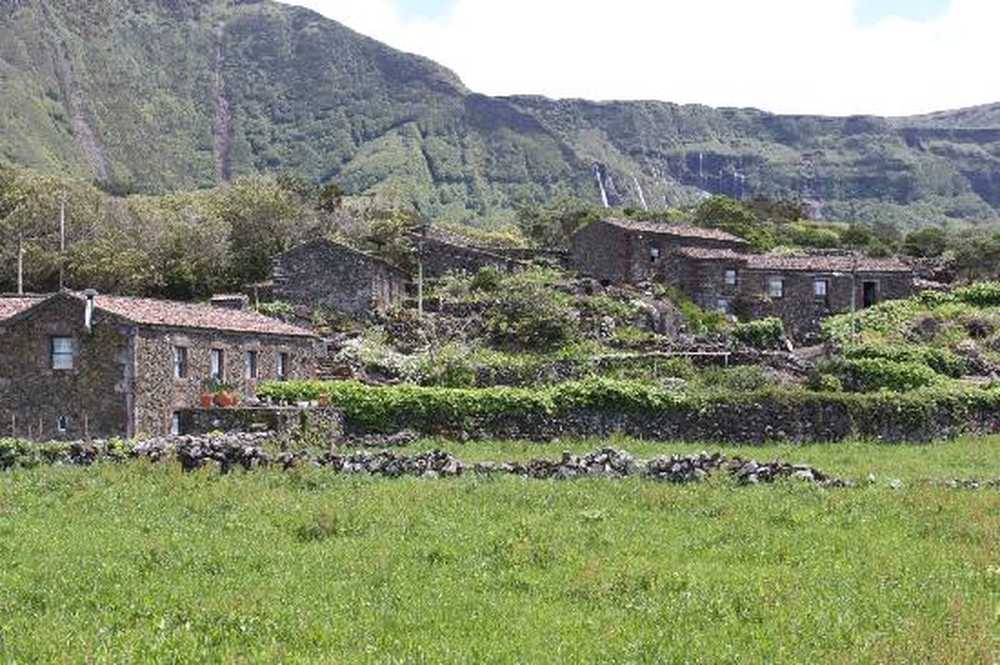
[871,374]
[530,316]
[824,383]
[978,327]
[737,379]
[766,333]
[942,361]
[982,294]
[487,280]
[277,310]
[448,366]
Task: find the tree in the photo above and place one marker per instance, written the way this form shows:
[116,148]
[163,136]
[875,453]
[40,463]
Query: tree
[731,216]
[926,243]
[555,225]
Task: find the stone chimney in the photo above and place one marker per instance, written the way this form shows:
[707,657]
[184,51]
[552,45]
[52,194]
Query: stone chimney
[236,301]
[88,312]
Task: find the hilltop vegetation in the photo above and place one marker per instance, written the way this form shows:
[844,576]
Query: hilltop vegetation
[164,95]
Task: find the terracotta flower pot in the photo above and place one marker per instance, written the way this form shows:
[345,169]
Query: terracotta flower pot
[207,400]
[324,400]
[221,400]
[234,399]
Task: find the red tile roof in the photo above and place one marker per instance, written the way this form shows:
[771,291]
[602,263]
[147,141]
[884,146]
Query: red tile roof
[678,230]
[148,312]
[706,254]
[14,305]
[826,264]
[144,311]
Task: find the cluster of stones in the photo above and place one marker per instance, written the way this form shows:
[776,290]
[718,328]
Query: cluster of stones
[687,469]
[434,464]
[607,463]
[751,472]
[247,451]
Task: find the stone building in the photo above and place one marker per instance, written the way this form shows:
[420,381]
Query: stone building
[619,251]
[325,273]
[442,252]
[801,290]
[75,365]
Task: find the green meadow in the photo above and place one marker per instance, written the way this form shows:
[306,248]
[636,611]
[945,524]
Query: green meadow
[144,563]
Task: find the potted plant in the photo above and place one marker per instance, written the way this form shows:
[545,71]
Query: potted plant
[209,391]
[224,396]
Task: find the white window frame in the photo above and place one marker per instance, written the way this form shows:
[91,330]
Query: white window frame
[724,305]
[251,364]
[61,359]
[217,365]
[284,360]
[654,254]
[62,424]
[182,368]
[775,281]
[734,274]
[825,283]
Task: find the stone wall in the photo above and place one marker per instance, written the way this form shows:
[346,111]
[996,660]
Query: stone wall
[159,395]
[440,258]
[325,424]
[323,273]
[91,397]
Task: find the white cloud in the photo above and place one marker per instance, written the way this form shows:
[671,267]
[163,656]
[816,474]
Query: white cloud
[790,56]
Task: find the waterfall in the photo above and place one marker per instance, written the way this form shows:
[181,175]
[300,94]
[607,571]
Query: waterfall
[642,196]
[600,183]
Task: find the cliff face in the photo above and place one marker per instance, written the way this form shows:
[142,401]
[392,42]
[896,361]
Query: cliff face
[154,95]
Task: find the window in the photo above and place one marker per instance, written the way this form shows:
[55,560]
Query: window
[821,288]
[731,278]
[61,349]
[175,424]
[180,362]
[218,367]
[775,287]
[250,361]
[62,424]
[654,254]
[723,305]
[282,366]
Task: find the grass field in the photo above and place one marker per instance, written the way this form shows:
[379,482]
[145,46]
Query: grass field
[142,563]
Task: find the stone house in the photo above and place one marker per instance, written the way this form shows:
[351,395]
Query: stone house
[75,365]
[325,273]
[801,290]
[442,252]
[620,251]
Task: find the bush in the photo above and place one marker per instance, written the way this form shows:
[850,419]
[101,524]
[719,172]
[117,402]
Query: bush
[942,361]
[872,374]
[487,280]
[766,333]
[737,379]
[449,366]
[528,315]
[982,294]
[924,414]
[824,383]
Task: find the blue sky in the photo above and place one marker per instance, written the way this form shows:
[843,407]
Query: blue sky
[868,12]
[832,57]
[423,8]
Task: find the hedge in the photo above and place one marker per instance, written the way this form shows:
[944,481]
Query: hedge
[942,361]
[601,406]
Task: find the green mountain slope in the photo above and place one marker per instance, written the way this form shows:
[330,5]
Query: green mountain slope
[155,95]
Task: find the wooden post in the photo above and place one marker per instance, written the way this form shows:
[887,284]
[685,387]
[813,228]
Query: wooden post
[62,242]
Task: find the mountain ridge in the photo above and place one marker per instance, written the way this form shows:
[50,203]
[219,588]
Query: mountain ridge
[158,95]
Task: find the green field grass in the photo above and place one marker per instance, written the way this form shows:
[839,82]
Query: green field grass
[143,563]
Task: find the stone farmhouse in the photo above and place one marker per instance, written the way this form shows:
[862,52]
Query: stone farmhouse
[718,273]
[325,273]
[619,251]
[442,252]
[74,365]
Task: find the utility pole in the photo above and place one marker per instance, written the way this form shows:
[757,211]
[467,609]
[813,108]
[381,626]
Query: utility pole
[20,263]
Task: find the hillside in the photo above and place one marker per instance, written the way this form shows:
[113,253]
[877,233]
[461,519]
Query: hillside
[158,95]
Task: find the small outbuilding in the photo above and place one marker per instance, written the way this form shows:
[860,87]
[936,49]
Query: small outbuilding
[329,274]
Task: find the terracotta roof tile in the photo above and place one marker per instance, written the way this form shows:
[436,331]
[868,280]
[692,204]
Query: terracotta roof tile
[826,264]
[144,311]
[14,305]
[706,254]
[679,230]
